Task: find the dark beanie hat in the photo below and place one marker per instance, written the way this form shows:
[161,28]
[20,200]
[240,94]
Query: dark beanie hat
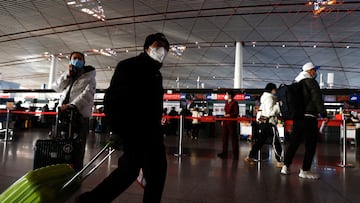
[150,39]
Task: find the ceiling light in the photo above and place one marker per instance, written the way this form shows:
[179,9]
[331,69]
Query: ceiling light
[320,5]
[347,46]
[283,45]
[71,2]
[105,52]
[177,50]
[314,46]
[91,7]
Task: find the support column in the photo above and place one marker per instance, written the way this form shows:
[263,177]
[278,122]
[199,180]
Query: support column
[238,72]
[52,73]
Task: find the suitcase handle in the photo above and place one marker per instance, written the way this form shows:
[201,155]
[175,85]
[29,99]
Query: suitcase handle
[74,178]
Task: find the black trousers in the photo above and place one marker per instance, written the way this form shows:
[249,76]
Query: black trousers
[268,134]
[305,129]
[154,165]
[83,131]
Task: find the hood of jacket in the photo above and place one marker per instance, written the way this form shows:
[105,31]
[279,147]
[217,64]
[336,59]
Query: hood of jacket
[302,75]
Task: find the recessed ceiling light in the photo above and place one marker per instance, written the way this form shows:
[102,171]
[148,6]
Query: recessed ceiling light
[71,2]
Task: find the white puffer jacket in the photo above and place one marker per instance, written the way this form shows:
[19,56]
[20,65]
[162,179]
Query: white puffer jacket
[268,107]
[82,92]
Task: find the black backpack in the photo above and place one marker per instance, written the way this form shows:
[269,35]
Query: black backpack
[291,101]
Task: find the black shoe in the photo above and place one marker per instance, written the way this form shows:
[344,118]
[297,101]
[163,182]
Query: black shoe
[222,155]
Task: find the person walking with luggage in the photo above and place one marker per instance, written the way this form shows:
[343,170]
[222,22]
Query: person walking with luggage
[306,126]
[78,87]
[143,148]
[229,126]
[267,118]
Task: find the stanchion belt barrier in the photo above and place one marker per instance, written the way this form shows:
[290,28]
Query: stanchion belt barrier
[287,123]
[333,122]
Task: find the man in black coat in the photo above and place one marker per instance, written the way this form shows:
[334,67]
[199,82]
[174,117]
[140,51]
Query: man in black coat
[306,127]
[143,146]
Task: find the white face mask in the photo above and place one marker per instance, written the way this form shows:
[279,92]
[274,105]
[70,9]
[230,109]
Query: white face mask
[226,97]
[158,54]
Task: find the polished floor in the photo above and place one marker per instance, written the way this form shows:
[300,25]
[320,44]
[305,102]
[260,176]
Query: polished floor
[197,175]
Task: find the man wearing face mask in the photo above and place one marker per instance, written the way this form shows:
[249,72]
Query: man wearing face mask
[306,127]
[143,147]
[229,127]
[78,87]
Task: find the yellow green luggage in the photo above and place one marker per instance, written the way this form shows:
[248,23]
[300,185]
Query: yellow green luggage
[51,184]
[40,185]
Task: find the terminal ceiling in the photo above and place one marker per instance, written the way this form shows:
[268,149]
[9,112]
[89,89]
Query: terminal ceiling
[278,37]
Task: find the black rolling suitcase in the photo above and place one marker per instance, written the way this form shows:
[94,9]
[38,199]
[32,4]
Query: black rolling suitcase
[61,147]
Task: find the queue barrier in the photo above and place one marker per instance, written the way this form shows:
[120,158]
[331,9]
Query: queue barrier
[288,123]
[287,127]
[8,132]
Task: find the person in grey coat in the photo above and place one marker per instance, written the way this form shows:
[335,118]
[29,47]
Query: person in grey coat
[77,87]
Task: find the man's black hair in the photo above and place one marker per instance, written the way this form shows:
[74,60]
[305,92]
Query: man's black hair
[160,37]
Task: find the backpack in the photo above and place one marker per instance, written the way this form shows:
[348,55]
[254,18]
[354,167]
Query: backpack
[291,101]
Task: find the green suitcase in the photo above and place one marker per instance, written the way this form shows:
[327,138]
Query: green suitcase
[40,185]
[54,183]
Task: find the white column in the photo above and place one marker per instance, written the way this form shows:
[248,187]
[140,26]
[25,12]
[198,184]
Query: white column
[321,81]
[238,72]
[330,80]
[198,82]
[52,73]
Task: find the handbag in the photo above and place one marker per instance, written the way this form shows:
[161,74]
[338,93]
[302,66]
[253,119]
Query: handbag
[263,119]
[260,118]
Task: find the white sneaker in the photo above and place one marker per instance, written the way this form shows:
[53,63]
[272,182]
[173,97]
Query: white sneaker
[285,170]
[308,174]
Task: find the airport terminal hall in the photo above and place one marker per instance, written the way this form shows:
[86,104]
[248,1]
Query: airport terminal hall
[179,101]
